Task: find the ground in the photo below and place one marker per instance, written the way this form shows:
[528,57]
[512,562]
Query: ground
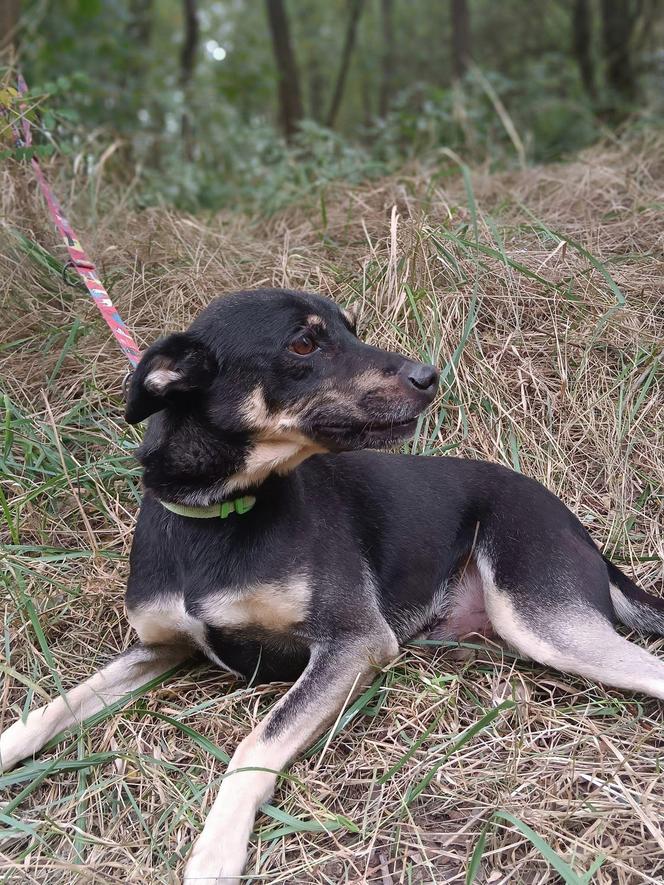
[540,292]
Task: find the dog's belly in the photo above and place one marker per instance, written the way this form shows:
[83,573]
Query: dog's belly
[463,612]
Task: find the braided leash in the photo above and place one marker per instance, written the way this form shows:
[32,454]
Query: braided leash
[78,258]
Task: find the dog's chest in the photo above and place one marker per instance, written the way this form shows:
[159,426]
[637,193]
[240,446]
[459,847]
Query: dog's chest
[274,608]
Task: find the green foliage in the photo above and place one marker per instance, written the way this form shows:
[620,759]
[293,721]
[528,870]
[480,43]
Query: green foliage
[111,69]
[259,171]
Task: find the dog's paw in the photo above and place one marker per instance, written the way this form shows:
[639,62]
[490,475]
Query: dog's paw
[214,864]
[15,745]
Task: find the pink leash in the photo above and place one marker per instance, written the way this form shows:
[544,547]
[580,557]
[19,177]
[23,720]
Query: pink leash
[78,258]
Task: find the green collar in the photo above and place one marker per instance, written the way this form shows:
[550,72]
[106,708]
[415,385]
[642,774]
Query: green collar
[222,510]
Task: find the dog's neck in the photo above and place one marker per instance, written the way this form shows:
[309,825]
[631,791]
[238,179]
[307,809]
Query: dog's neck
[193,464]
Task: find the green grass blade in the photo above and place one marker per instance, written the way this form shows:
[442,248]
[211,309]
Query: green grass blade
[410,752]
[463,739]
[555,860]
[478,852]
[195,736]
[292,824]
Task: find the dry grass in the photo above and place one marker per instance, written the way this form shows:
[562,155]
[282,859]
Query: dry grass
[542,294]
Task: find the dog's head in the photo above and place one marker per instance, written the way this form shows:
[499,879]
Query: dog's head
[260,381]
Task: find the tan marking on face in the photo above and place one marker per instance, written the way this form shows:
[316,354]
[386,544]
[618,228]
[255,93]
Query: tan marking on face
[346,395]
[275,607]
[278,444]
[374,379]
[315,320]
[327,394]
[259,418]
[254,409]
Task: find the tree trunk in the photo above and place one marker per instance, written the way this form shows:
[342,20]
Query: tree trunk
[10,13]
[388,60]
[618,21]
[366,95]
[316,88]
[349,43]
[138,33]
[290,101]
[581,45]
[313,76]
[139,27]
[187,64]
[190,42]
[460,38]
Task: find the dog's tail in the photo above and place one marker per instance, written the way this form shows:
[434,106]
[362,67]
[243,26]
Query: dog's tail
[632,605]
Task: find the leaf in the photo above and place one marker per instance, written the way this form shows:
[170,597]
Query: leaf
[8,96]
[552,857]
[21,829]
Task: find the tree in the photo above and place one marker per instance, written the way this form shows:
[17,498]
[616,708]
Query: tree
[581,45]
[460,38]
[10,13]
[290,101]
[388,60]
[349,43]
[618,20]
[138,33]
[190,42]
[187,62]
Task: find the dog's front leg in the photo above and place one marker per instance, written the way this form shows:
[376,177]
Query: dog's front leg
[333,675]
[126,673]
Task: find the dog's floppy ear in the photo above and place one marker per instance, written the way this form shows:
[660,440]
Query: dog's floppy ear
[172,367]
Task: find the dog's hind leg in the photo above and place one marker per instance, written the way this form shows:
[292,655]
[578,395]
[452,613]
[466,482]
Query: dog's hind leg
[125,673]
[571,631]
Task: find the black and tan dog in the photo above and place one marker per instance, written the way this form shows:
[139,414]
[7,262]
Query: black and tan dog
[262,546]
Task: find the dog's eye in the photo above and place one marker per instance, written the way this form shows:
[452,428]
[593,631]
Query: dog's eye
[303,346]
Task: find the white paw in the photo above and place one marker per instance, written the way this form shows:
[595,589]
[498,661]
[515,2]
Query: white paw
[214,864]
[15,744]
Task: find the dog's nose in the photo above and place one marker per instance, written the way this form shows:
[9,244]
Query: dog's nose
[423,377]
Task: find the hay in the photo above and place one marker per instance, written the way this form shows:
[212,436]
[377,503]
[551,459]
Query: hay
[517,287]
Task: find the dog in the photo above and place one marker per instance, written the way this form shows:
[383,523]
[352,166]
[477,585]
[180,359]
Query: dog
[269,540]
